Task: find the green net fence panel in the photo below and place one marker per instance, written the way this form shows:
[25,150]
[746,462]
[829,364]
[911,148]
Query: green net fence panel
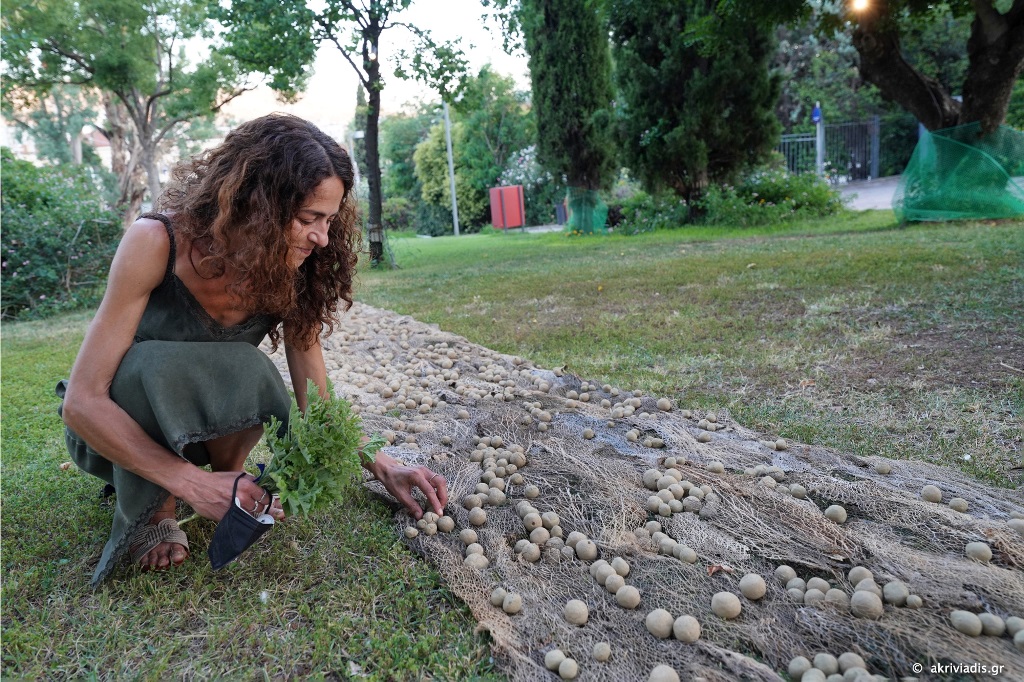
[588,214]
[960,174]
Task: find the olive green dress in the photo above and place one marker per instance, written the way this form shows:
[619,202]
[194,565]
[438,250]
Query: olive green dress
[186,379]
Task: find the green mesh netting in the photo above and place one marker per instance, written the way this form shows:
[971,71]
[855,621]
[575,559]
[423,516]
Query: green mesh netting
[588,214]
[960,174]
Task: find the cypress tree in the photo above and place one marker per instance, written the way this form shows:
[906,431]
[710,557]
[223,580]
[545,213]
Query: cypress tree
[685,118]
[570,70]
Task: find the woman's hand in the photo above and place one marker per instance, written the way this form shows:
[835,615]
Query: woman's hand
[210,496]
[399,480]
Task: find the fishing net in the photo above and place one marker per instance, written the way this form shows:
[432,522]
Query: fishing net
[588,214]
[960,174]
[459,407]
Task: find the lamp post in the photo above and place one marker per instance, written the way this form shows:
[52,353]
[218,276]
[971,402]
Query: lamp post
[451,165]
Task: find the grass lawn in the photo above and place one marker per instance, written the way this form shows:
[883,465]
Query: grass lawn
[321,598]
[849,332]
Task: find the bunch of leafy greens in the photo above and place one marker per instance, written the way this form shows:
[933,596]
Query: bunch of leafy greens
[317,460]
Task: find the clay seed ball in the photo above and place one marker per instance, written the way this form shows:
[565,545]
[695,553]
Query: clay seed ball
[784,574]
[839,598]
[474,548]
[603,573]
[553,659]
[446,524]
[663,673]
[568,669]
[813,596]
[411,532]
[664,404]
[513,604]
[550,519]
[574,537]
[858,573]
[477,516]
[498,596]
[651,477]
[576,612]
[477,561]
[966,622]
[539,536]
[1017,525]
[716,467]
[596,566]
[531,491]
[850,660]
[752,586]
[883,468]
[979,551]
[869,586]
[817,583]
[813,675]
[958,504]
[468,536]
[602,652]
[586,550]
[836,514]
[686,629]
[653,527]
[895,593]
[796,595]
[531,521]
[472,501]
[725,605]
[796,584]
[1014,624]
[684,553]
[914,602]
[992,625]
[798,666]
[865,604]
[531,553]
[628,597]
[931,493]
[1018,640]
[659,623]
[798,491]
[614,583]
[826,663]
[621,566]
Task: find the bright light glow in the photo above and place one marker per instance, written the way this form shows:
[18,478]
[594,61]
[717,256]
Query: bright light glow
[860,5]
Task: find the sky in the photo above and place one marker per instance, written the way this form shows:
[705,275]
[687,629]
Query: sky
[330,99]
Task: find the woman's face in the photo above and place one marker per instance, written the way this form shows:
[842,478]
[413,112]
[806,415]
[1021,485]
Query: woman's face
[311,221]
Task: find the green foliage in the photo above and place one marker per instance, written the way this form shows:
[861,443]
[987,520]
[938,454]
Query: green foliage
[399,136]
[431,159]
[1015,114]
[399,214]
[642,212]
[570,69]
[685,119]
[317,461]
[58,238]
[770,197]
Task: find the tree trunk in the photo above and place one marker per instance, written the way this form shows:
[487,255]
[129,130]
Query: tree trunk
[995,51]
[151,162]
[123,162]
[995,54]
[373,170]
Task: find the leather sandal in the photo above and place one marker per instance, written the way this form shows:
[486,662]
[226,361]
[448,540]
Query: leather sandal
[149,536]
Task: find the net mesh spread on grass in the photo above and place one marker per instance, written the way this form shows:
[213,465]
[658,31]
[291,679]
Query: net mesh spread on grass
[960,174]
[595,486]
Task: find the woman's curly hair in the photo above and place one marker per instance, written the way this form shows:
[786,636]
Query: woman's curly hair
[245,193]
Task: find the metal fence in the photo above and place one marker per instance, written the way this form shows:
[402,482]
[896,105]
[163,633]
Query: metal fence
[850,151]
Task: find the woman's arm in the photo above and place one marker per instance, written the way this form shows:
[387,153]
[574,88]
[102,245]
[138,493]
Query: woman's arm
[397,478]
[138,267]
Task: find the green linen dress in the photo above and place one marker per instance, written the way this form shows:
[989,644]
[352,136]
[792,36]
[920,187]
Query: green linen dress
[185,380]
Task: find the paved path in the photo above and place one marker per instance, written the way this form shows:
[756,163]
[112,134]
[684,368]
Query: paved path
[870,194]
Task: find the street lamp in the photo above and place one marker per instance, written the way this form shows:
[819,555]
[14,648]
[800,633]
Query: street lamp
[451,164]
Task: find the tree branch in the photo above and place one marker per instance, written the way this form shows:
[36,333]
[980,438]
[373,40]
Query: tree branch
[329,34]
[993,24]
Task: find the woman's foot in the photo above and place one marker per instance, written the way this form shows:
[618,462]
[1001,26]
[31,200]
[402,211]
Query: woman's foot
[160,544]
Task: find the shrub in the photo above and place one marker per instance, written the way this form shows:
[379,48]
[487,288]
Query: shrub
[58,238]
[645,213]
[398,213]
[771,196]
